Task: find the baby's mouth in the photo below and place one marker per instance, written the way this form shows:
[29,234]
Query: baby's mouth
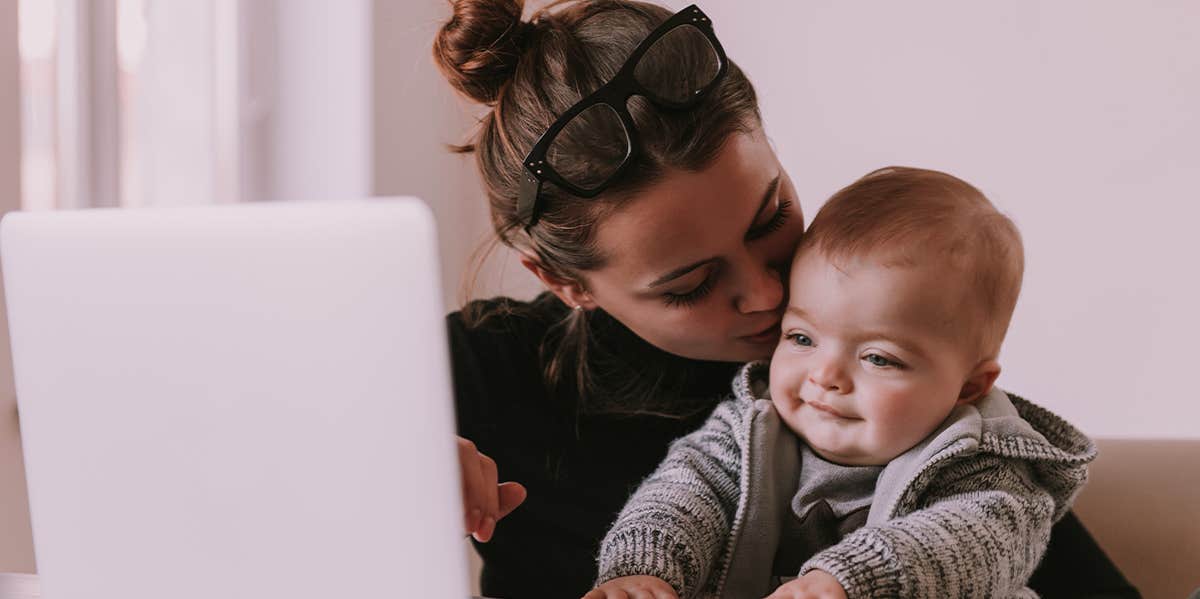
[828,409]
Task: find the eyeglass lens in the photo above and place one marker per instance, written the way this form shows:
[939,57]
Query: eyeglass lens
[677,66]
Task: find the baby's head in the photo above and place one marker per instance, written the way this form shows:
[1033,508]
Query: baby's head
[901,294]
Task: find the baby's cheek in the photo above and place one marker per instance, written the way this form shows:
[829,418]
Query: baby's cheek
[895,422]
[887,409]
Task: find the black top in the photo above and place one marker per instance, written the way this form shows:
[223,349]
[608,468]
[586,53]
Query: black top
[581,462]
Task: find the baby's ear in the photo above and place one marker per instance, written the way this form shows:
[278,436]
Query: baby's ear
[979,382]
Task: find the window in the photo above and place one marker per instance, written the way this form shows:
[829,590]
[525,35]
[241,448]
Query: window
[131,102]
[37,45]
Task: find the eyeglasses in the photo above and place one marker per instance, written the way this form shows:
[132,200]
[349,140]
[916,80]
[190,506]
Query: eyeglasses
[674,68]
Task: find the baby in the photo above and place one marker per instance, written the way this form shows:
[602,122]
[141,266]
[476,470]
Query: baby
[873,456]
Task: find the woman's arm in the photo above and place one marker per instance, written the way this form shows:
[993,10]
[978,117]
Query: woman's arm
[1076,566]
[487,363]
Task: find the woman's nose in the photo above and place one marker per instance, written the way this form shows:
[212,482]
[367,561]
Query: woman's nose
[762,290]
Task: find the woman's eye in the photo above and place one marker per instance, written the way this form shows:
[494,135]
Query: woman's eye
[774,224]
[800,339]
[688,298]
[878,360]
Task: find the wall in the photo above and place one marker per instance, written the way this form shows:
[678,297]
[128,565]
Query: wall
[1077,118]
[415,116]
[320,128]
[16,541]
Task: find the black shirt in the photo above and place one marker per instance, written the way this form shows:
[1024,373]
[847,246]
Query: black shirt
[580,460]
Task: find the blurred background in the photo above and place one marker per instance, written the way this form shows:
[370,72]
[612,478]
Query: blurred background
[1078,118]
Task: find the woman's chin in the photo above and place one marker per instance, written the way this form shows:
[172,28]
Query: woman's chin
[758,350]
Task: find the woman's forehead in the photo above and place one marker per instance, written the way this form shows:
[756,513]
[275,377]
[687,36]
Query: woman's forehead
[690,216]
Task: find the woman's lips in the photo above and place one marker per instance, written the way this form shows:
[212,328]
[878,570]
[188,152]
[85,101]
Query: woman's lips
[771,333]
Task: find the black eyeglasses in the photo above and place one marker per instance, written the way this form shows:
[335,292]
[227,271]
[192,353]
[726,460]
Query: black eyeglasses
[674,68]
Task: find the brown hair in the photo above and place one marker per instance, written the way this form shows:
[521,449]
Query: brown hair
[531,72]
[906,216]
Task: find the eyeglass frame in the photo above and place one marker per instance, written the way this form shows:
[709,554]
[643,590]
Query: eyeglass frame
[614,94]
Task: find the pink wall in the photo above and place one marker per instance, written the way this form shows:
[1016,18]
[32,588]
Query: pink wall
[1078,118]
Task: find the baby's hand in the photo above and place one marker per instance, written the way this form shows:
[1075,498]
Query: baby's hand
[817,584]
[634,587]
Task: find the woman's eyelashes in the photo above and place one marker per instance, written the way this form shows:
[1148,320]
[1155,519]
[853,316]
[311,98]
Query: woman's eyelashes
[688,298]
[691,297]
[777,221]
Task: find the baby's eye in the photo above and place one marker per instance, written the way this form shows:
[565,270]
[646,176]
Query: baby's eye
[878,360]
[800,339]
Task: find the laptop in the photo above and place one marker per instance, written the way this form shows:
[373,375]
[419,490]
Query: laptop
[248,401]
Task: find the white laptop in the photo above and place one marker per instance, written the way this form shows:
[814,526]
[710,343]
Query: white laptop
[246,401]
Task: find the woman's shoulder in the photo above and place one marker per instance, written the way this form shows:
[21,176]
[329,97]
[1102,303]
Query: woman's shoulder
[507,316]
[495,355]
[502,330]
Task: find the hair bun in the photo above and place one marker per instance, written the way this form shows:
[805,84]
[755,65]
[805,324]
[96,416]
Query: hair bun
[479,47]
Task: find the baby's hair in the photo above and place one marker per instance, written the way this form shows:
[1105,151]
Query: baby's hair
[904,217]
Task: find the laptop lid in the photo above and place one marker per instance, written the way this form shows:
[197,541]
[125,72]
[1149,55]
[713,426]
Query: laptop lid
[235,401]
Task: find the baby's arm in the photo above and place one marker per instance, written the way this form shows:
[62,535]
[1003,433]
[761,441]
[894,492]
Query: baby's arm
[981,534]
[677,522]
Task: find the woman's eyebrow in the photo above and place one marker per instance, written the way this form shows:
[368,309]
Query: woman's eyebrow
[772,187]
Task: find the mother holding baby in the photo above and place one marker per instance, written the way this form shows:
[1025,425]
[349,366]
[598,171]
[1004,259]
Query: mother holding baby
[662,224]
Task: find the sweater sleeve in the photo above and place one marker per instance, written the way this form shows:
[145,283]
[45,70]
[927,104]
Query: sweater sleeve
[678,521]
[980,533]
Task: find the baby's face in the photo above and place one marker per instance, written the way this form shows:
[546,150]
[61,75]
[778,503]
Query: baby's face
[872,358]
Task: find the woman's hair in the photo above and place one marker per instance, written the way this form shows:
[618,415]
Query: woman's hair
[529,73]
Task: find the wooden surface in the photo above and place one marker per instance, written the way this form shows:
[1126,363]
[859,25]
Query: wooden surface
[1142,503]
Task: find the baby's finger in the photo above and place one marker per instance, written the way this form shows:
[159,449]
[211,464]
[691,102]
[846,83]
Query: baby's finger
[788,593]
[665,593]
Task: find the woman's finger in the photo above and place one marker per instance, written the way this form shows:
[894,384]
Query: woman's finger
[511,495]
[472,484]
[489,499]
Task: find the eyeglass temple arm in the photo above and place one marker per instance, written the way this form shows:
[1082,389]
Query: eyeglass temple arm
[527,199]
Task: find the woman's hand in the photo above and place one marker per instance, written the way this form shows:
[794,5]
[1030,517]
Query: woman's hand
[633,587]
[817,584]
[485,501]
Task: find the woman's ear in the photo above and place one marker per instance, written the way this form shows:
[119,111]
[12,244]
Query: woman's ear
[570,291]
[979,382]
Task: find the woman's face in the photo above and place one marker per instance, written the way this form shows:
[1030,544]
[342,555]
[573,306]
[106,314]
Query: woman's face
[697,264]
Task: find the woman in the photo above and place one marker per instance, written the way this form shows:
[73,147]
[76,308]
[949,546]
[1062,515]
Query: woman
[662,227]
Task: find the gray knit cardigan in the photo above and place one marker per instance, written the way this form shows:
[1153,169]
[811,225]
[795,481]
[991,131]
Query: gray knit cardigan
[965,513]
